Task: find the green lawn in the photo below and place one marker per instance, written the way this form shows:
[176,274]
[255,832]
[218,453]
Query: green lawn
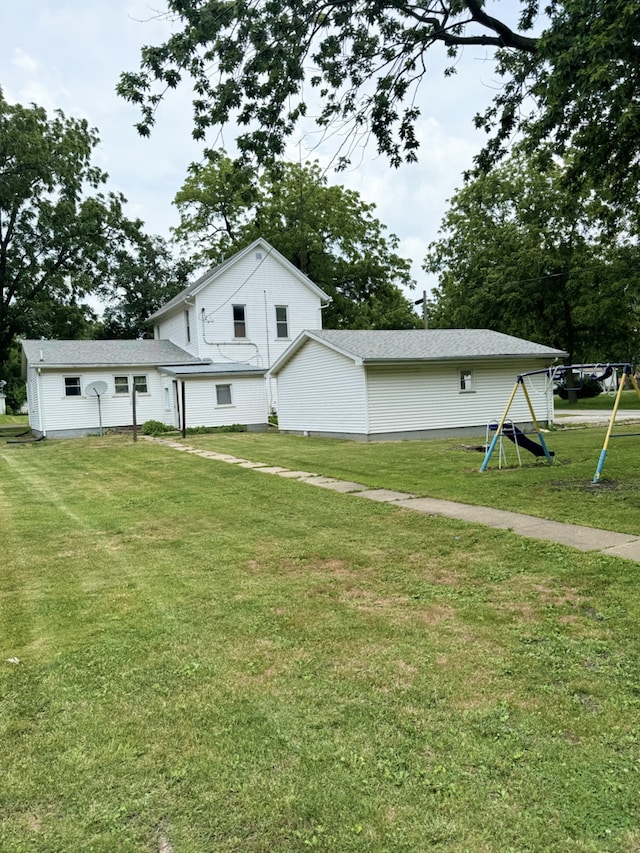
[629,400]
[450,469]
[197,657]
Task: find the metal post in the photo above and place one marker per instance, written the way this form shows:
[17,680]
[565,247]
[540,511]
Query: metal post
[133,412]
[184,409]
[603,452]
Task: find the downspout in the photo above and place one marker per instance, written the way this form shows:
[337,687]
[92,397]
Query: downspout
[40,402]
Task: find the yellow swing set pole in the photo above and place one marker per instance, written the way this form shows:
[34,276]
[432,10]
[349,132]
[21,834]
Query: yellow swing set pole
[491,447]
[605,446]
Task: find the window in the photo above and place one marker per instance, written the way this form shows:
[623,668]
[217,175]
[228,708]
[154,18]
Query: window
[466,380]
[282,321]
[239,321]
[187,327]
[223,395]
[121,384]
[72,386]
[140,384]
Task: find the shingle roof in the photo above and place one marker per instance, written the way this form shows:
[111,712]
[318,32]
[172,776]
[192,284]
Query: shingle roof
[105,353]
[423,345]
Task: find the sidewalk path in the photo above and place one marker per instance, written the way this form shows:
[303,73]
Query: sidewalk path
[575,535]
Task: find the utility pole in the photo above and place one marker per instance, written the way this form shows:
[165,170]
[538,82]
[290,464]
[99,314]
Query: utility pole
[423,302]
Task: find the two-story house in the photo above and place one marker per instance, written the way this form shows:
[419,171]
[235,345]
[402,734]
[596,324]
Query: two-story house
[207,366]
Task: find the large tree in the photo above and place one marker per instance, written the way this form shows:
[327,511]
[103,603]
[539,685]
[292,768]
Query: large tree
[571,73]
[524,251]
[59,229]
[144,274]
[328,232]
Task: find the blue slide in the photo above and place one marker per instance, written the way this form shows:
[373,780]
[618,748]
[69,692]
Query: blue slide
[514,434]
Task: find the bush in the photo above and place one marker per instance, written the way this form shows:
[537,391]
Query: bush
[155,428]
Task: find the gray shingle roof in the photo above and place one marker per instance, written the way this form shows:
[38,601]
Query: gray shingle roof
[423,344]
[104,353]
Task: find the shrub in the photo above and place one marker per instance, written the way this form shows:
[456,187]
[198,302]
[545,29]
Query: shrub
[155,428]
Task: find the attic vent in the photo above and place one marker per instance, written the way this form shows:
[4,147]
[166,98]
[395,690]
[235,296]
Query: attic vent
[258,256]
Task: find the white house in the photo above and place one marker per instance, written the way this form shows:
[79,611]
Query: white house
[171,386]
[377,385]
[207,365]
[247,310]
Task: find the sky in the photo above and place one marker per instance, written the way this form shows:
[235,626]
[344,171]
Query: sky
[68,55]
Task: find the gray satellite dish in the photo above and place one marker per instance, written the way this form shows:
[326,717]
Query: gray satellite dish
[97,389]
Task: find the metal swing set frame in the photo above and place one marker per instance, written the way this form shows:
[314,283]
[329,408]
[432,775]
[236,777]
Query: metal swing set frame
[596,372]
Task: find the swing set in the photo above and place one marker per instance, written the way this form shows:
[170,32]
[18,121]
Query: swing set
[606,374]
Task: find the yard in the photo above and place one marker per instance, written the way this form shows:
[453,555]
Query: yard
[199,657]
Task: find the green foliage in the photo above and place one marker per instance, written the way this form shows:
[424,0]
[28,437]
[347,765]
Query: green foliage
[204,430]
[62,237]
[525,251]
[327,232]
[254,64]
[153,427]
[144,275]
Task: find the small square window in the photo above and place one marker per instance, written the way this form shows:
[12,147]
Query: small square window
[466,380]
[140,384]
[282,321]
[223,395]
[121,384]
[239,321]
[72,386]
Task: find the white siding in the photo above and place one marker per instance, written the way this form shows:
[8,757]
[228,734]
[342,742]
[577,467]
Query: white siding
[259,285]
[174,328]
[321,390]
[62,413]
[248,401]
[428,396]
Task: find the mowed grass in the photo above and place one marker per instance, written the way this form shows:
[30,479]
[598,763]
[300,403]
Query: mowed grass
[450,469]
[603,402]
[199,657]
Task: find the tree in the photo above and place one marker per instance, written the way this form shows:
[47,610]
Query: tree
[144,275]
[327,232]
[523,252]
[253,63]
[57,240]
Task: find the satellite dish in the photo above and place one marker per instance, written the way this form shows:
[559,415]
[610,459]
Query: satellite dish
[96,389]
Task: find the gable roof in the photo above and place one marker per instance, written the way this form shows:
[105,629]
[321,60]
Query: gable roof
[78,354]
[214,273]
[395,346]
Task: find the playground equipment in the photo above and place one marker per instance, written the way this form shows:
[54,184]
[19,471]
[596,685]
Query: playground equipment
[626,373]
[606,374]
[511,431]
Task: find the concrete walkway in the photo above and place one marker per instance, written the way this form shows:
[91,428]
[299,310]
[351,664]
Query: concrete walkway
[576,536]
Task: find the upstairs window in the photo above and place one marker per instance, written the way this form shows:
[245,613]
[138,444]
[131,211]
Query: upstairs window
[282,321]
[72,387]
[187,327]
[239,321]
